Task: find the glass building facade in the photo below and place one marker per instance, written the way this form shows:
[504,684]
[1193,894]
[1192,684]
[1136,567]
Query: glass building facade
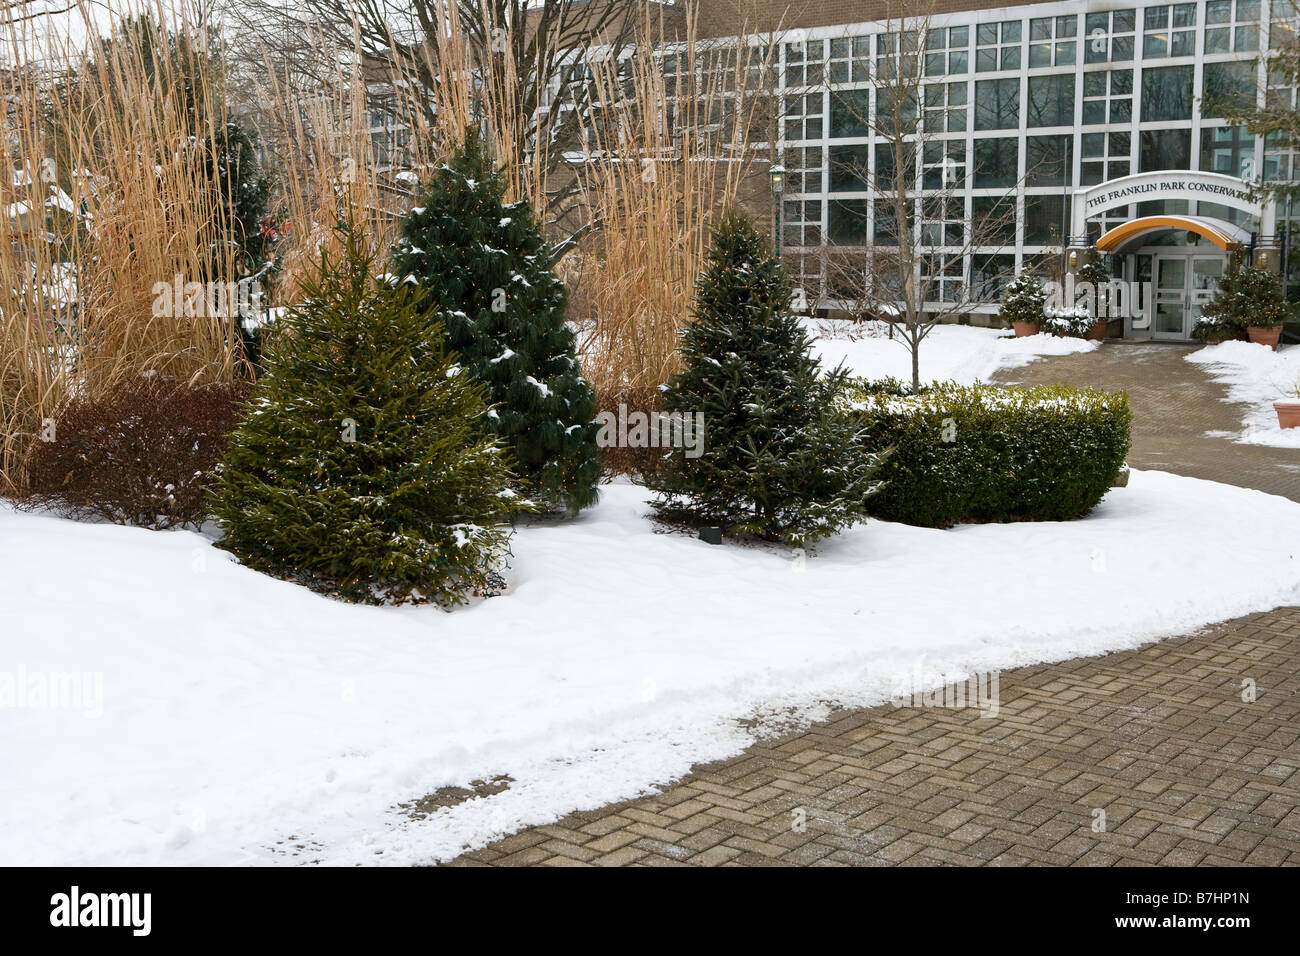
[1026,106]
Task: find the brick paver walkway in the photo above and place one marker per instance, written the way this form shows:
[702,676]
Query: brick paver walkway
[1159,738]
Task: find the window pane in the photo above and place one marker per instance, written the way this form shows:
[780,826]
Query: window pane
[1045,160]
[997,104]
[1165,93]
[1043,220]
[849,112]
[993,221]
[995,163]
[1051,101]
[848,168]
[848,221]
[1166,149]
[1229,88]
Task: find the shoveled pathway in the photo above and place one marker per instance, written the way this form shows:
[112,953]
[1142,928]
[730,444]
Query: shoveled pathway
[1161,739]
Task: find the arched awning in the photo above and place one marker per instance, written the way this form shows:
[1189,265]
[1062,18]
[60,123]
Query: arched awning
[1223,234]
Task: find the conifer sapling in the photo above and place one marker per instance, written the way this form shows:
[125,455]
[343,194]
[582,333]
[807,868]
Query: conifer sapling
[361,468]
[489,276]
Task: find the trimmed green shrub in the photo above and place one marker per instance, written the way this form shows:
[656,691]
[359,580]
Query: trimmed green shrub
[981,453]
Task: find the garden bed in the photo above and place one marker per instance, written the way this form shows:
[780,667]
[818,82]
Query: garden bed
[245,719]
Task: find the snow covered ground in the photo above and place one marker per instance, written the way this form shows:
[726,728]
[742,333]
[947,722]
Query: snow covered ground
[1257,377]
[239,718]
[949,352]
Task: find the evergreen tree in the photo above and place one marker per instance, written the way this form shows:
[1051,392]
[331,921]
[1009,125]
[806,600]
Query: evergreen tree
[492,286]
[778,460]
[1023,299]
[361,467]
[1246,295]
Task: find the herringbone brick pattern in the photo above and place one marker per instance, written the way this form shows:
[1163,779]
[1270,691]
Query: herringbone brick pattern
[1159,738]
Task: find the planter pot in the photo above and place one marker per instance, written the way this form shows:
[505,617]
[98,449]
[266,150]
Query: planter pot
[1288,414]
[1025,328]
[1098,332]
[1265,336]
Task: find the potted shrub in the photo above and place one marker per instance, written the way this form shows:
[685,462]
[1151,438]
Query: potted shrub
[1247,298]
[1095,274]
[1288,410]
[1022,303]
[1073,322]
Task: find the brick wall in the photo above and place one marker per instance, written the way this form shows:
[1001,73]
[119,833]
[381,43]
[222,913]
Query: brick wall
[725,17]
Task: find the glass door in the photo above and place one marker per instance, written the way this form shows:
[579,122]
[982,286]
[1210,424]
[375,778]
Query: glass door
[1206,272]
[1170,298]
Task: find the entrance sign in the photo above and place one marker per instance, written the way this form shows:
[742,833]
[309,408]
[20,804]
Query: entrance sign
[1162,185]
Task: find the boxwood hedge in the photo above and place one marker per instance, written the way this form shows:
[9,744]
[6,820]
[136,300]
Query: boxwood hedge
[987,453]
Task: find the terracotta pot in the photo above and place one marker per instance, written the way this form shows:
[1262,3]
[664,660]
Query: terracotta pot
[1265,336]
[1098,331]
[1288,414]
[1025,328]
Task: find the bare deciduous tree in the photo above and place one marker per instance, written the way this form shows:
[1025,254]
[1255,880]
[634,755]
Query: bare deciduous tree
[915,258]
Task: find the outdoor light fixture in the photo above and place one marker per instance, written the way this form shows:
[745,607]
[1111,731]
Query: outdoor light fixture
[777,173]
[1074,259]
[778,179]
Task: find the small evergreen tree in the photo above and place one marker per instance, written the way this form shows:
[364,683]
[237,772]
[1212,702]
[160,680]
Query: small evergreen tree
[492,286]
[1023,299]
[778,460]
[1245,296]
[361,467]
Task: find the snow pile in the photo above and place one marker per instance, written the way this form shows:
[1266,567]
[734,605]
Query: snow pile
[961,353]
[235,712]
[1256,377]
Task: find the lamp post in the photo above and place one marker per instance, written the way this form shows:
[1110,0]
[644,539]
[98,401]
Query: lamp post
[777,174]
